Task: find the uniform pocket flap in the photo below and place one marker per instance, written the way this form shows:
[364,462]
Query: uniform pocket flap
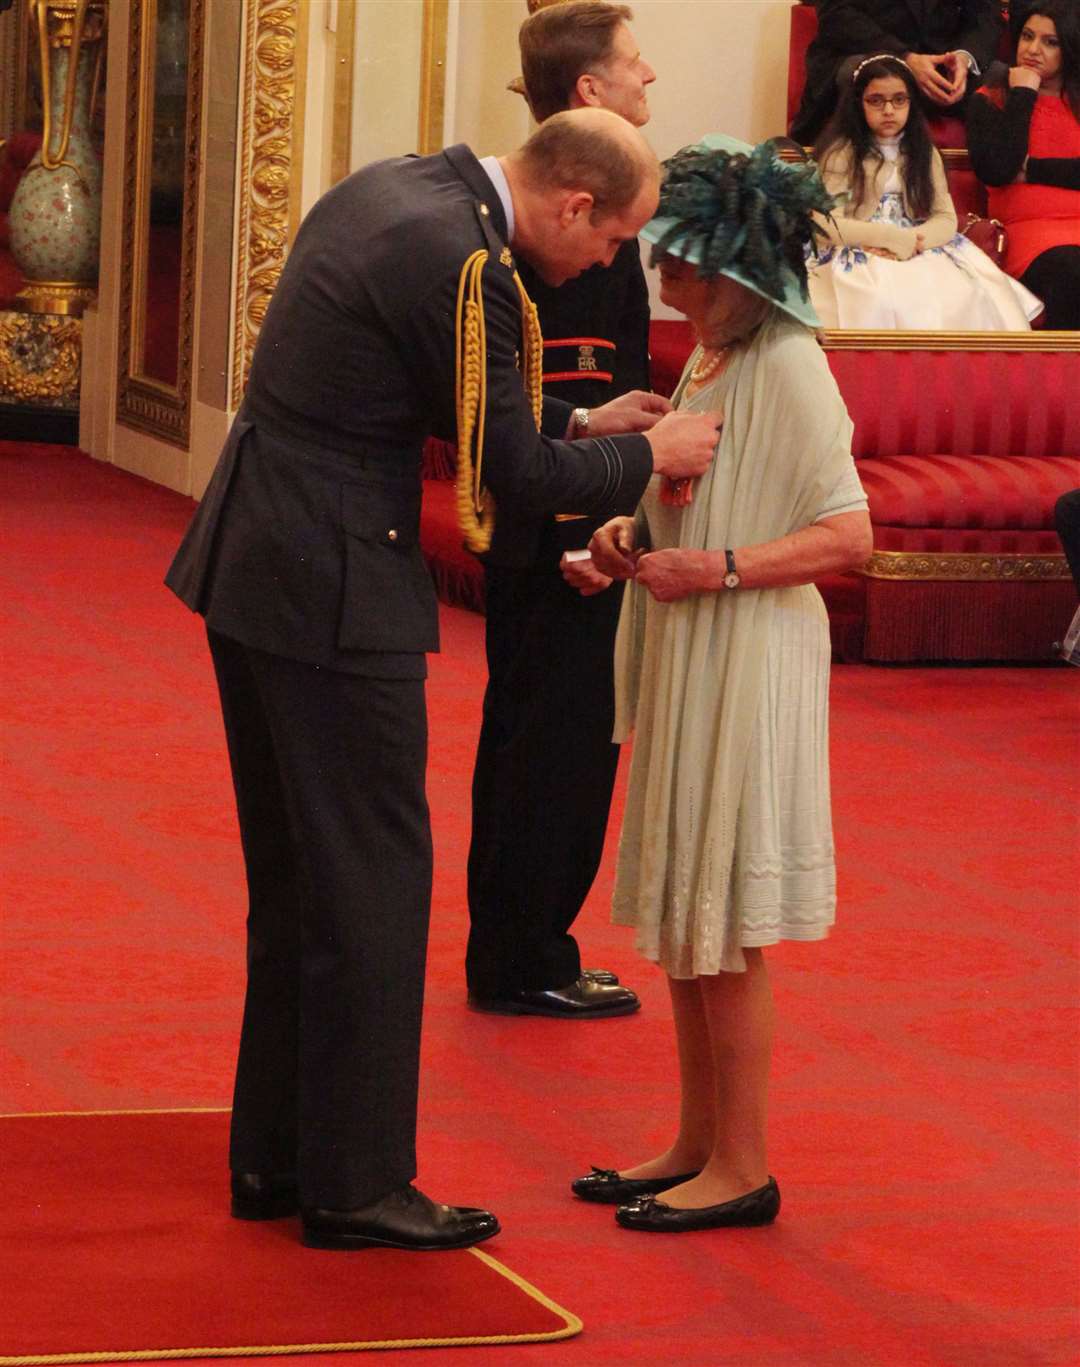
[376,512]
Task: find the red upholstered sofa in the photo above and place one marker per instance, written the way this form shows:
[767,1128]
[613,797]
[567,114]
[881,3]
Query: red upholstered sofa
[962,454]
[15,157]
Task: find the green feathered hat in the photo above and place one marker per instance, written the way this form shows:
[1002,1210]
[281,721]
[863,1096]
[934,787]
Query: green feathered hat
[736,210]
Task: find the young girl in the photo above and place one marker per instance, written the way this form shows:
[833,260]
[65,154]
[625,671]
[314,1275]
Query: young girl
[895,259]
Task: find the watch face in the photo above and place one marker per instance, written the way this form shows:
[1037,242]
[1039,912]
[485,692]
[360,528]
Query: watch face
[731,581]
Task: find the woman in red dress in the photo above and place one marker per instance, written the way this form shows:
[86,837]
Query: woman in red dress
[1024,141]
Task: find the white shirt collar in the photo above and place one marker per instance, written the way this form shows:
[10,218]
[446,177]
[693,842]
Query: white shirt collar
[497,177]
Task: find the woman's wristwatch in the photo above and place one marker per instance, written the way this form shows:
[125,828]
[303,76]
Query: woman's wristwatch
[731,579]
[581,422]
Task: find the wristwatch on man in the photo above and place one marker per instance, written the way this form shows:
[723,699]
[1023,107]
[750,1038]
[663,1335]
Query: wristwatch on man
[581,422]
[731,579]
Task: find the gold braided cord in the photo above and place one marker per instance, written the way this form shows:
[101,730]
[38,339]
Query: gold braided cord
[475,505]
[475,510]
[532,350]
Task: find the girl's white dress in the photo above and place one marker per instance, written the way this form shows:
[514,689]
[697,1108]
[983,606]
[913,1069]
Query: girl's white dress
[952,288]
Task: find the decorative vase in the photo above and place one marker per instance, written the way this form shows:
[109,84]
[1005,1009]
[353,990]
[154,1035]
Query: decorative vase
[55,213]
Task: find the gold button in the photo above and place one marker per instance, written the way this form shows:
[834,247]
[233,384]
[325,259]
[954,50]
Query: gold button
[485,210]
[391,535]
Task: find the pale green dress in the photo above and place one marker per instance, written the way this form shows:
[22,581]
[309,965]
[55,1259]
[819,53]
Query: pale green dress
[727,835]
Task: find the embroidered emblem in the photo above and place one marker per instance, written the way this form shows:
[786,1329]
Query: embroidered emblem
[505,259]
[586,357]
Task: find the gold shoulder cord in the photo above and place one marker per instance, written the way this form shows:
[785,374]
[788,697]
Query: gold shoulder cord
[475,506]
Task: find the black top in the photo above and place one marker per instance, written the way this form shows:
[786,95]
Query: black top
[596,347]
[998,143]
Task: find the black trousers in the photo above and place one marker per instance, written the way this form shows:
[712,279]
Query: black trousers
[329,776]
[545,769]
[1054,276]
[1067,522]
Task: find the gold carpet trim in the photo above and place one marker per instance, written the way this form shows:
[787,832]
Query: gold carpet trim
[127,1110]
[571,1323]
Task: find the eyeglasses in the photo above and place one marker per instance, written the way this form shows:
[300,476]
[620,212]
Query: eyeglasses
[880,101]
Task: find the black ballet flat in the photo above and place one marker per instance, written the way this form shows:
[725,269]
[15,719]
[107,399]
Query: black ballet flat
[605,1185]
[759,1207]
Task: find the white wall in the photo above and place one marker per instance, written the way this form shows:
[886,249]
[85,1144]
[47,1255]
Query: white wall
[721,67]
[386,107]
[483,51]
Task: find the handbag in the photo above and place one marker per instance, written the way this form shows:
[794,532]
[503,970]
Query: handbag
[988,234]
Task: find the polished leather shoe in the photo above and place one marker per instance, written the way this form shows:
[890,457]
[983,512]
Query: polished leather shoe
[606,1185]
[405,1218]
[263,1195]
[582,1000]
[603,976]
[759,1207]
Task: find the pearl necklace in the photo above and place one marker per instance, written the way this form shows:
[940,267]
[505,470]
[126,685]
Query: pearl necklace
[704,369]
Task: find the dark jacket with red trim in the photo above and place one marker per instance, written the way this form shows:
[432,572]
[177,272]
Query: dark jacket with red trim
[596,347]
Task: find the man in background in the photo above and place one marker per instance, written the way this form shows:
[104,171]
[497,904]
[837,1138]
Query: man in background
[946,46]
[545,765]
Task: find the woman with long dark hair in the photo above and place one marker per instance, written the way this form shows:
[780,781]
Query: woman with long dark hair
[1024,140]
[894,258]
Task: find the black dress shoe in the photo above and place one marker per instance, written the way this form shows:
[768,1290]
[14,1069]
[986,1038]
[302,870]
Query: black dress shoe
[603,976]
[759,1207]
[605,1184]
[263,1195]
[582,1000]
[405,1218]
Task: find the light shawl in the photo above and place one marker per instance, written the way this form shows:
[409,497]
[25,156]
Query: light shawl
[785,443]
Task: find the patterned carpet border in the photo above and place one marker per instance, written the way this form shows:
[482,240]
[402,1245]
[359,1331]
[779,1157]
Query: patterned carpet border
[571,1324]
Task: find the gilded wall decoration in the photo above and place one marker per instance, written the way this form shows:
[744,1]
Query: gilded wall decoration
[145,402]
[40,358]
[271,111]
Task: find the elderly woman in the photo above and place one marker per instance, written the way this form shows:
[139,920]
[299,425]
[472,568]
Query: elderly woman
[723,671]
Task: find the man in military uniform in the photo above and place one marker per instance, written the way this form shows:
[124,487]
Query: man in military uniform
[303,557]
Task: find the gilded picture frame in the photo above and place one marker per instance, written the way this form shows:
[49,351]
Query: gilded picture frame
[147,404]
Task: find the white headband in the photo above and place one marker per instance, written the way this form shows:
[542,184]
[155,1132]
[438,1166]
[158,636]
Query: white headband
[878,57]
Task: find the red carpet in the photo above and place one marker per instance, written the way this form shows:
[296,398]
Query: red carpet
[925,1090]
[135,1260]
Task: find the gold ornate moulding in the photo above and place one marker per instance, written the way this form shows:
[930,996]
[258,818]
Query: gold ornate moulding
[40,359]
[55,296]
[967,567]
[840,340]
[271,104]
